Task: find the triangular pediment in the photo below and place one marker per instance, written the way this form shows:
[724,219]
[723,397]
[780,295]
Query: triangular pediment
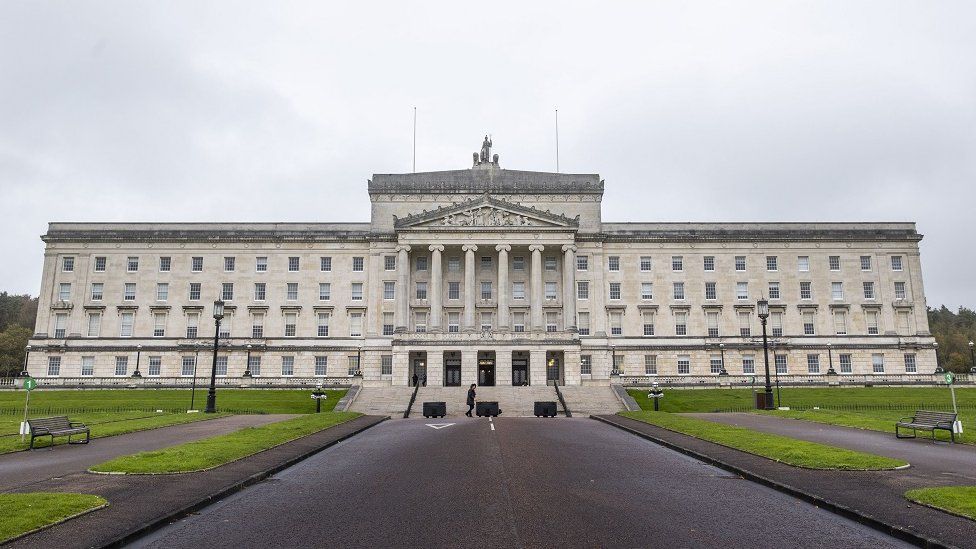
[486,211]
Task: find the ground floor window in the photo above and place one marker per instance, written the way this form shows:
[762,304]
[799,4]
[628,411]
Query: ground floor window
[155,365]
[121,365]
[87,365]
[353,367]
[586,364]
[287,365]
[189,366]
[684,364]
[910,367]
[813,364]
[254,365]
[781,366]
[877,363]
[715,365]
[748,365]
[846,366]
[650,365]
[221,368]
[321,365]
[386,365]
[53,365]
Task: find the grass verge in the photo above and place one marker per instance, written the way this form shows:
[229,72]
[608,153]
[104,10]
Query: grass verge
[958,500]
[874,420]
[219,450]
[790,451]
[24,513]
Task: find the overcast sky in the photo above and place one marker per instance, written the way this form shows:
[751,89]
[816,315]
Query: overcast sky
[264,111]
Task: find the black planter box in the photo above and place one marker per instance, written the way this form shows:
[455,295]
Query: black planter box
[435,409]
[487,409]
[545,408]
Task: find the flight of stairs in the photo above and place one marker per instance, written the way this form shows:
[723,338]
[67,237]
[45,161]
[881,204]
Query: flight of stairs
[586,400]
[513,401]
[382,401]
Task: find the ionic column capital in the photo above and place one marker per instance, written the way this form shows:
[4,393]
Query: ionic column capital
[403,248]
[569,248]
[536,248]
[469,248]
[436,247]
[503,248]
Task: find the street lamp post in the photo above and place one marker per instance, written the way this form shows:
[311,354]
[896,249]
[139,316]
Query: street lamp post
[137,373]
[830,360]
[972,358]
[218,314]
[762,307]
[247,362]
[27,351]
[938,367]
[613,360]
[721,350]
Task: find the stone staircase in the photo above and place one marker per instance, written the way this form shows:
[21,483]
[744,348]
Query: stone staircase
[383,401]
[513,401]
[586,400]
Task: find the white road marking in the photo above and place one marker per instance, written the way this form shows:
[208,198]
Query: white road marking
[492,426]
[438,425]
[489,419]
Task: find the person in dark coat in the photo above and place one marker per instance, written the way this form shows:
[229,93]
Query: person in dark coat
[415,380]
[471,398]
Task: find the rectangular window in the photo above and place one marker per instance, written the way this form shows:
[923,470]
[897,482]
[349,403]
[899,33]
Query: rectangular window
[260,291]
[389,290]
[352,365]
[388,326]
[808,323]
[230,263]
[846,366]
[586,364]
[680,323]
[748,365]
[220,368]
[813,364]
[900,290]
[837,291]
[227,291]
[60,325]
[321,365]
[454,322]
[910,367]
[97,290]
[453,290]
[421,263]
[165,264]
[806,290]
[711,320]
[645,263]
[518,321]
[776,324]
[745,324]
[325,291]
[486,321]
[840,322]
[389,262]
[715,365]
[550,264]
[582,323]
[357,291]
[194,291]
[254,364]
[648,322]
[261,264]
[188,366]
[550,290]
[684,365]
[616,323]
[421,291]
[771,264]
[132,264]
[582,289]
[287,365]
[291,291]
[614,290]
[162,291]
[291,324]
[781,365]
[196,264]
[257,325]
[225,325]
[355,324]
[94,324]
[740,263]
[865,263]
[677,263]
[742,290]
[518,263]
[87,365]
[708,262]
[774,290]
[485,290]
[192,325]
[125,328]
[877,363]
[325,264]
[869,290]
[679,290]
[386,365]
[834,262]
[551,321]
[129,291]
[121,365]
[454,264]
[711,291]
[100,263]
[582,263]
[64,291]
[294,263]
[650,365]
[518,290]
[159,324]
[896,265]
[647,290]
[323,324]
[486,263]
[613,263]
[803,263]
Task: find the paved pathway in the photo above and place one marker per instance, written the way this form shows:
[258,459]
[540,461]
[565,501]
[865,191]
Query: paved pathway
[18,470]
[511,482]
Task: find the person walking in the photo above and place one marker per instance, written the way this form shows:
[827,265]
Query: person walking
[471,398]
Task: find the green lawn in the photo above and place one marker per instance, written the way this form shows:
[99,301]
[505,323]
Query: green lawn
[219,450]
[23,513]
[876,420]
[959,500]
[775,447]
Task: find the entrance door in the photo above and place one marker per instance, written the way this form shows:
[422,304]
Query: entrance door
[553,371]
[520,372]
[452,372]
[486,372]
[420,370]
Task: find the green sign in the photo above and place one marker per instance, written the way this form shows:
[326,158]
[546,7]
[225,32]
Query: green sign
[30,383]
[949,378]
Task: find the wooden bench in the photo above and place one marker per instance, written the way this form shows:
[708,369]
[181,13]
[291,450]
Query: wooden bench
[925,420]
[57,427]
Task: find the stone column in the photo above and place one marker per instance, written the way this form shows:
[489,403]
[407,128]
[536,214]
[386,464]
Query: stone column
[503,315]
[435,367]
[469,289]
[537,367]
[535,287]
[503,367]
[436,293]
[469,367]
[403,289]
[569,288]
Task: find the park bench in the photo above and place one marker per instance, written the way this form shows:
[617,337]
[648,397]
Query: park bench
[924,420]
[57,427]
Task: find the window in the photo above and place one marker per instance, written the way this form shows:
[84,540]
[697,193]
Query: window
[740,262]
[808,323]
[422,263]
[680,323]
[254,365]
[321,365]
[60,325]
[291,291]
[877,363]
[454,264]
[550,290]
[645,263]
[582,289]
[715,365]
[97,290]
[325,263]
[586,364]
[648,322]
[837,291]
[869,290]
[64,291]
[616,323]
[356,324]
[389,263]
[287,365]
[388,326]
[129,291]
[453,290]
[910,367]
[647,290]
[227,291]
[742,290]
[94,324]
[582,263]
[900,290]
[454,322]
[323,324]
[87,365]
[291,322]
[550,264]
[845,364]
[677,263]
[229,264]
[159,324]
[840,322]
[260,291]
[806,290]
[781,366]
[684,365]
[582,323]
[132,264]
[165,264]
[125,327]
[650,365]
[485,290]
[518,290]
[162,291]
[100,262]
[188,366]
[551,321]
[865,263]
[774,290]
[421,291]
[710,291]
[389,290]
[803,263]
[679,290]
[614,290]
[386,365]
[121,365]
[748,365]
[486,263]
[613,263]
[745,324]
[325,291]
[192,325]
[261,264]
[896,265]
[709,262]
[518,263]
[196,264]
[486,321]
[257,325]
[813,364]
[771,263]
[357,291]
[194,291]
[220,366]
[776,324]
[711,320]
[834,262]
[293,264]
[518,321]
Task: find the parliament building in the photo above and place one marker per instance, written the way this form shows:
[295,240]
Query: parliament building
[482,275]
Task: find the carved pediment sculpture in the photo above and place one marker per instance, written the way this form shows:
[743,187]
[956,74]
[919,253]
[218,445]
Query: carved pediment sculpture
[486,212]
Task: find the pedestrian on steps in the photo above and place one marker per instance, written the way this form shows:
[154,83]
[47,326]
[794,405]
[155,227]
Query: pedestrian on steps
[471,398]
